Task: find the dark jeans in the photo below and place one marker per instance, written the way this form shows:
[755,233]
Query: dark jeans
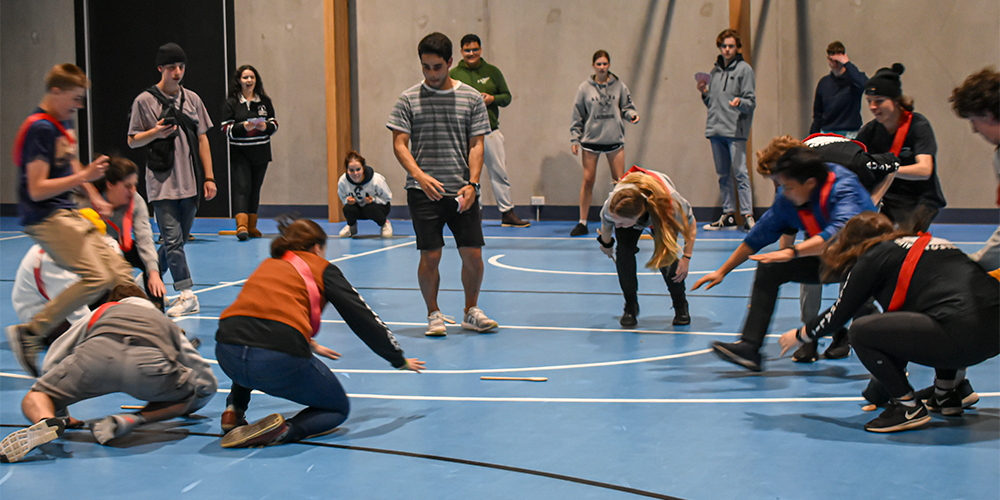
[627,247]
[248,177]
[885,343]
[175,217]
[306,381]
[372,211]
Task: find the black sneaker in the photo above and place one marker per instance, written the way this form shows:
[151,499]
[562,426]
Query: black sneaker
[838,348]
[806,353]
[748,223]
[740,353]
[579,230]
[964,388]
[26,347]
[899,417]
[510,219]
[681,315]
[727,221]
[948,404]
[629,316]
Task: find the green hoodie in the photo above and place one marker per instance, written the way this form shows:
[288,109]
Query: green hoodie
[485,78]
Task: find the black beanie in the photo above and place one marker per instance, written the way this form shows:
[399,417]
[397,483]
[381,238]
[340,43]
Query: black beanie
[886,82]
[169,54]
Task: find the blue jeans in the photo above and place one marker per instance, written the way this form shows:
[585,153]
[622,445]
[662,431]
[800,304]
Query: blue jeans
[175,217]
[731,162]
[306,381]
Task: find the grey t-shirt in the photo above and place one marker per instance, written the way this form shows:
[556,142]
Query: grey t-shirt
[440,124]
[180,182]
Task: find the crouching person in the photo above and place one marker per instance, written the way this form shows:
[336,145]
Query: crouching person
[126,345]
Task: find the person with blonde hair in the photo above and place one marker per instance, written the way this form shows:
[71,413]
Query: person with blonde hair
[646,199]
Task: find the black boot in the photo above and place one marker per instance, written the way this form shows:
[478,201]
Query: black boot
[839,348]
[629,315]
[806,353]
[681,315]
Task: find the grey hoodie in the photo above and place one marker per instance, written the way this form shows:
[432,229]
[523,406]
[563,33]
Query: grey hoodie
[734,80]
[599,110]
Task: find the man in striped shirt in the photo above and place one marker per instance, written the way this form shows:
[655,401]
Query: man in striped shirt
[437,129]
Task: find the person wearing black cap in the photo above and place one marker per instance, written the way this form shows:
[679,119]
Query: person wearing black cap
[172,121]
[915,197]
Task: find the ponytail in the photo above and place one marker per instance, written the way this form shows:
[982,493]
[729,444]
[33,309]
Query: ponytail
[296,234]
[648,194]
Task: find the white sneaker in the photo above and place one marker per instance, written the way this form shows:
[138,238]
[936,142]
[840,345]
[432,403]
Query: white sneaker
[349,231]
[18,443]
[435,324]
[387,229]
[186,304]
[475,319]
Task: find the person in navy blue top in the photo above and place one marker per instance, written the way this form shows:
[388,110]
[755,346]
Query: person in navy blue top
[837,105]
[813,196]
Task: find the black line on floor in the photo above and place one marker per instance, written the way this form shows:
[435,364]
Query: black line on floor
[461,461]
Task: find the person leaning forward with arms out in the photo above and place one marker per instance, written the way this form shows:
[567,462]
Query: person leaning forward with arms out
[45,152]
[172,121]
[475,72]
[815,196]
[437,136]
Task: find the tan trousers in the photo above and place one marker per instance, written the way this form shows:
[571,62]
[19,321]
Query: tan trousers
[75,245]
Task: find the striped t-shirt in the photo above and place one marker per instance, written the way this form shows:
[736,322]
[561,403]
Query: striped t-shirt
[440,125]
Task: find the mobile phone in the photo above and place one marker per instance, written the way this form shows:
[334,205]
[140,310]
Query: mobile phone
[169,121]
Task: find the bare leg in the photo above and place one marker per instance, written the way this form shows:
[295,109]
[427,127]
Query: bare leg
[430,279]
[587,189]
[472,274]
[155,412]
[616,160]
[37,406]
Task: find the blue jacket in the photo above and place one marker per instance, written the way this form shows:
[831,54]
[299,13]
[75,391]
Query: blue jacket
[847,199]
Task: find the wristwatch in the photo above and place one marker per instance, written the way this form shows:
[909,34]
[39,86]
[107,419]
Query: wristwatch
[475,185]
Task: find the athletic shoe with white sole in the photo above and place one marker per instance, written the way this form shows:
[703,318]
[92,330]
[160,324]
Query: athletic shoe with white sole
[435,324]
[186,304]
[727,221]
[387,230]
[964,388]
[349,231]
[899,417]
[475,319]
[17,444]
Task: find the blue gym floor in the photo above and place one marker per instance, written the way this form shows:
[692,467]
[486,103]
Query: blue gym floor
[643,413]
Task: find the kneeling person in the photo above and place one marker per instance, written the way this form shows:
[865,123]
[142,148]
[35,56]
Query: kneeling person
[113,350]
[365,195]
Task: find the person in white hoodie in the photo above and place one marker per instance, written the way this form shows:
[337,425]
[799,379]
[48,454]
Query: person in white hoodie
[602,104]
[365,195]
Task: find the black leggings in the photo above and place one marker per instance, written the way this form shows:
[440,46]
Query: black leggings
[372,211]
[247,180]
[885,343]
[628,246]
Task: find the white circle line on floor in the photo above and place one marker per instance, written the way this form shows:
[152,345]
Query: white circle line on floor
[495,260]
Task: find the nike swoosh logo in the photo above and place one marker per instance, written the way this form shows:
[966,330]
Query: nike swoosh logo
[910,416]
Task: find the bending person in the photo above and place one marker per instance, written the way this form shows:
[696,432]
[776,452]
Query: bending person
[648,199]
[126,345]
[266,340]
[602,103]
[941,310]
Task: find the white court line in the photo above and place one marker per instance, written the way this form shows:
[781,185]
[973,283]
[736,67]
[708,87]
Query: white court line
[227,284]
[582,400]
[14,237]
[495,260]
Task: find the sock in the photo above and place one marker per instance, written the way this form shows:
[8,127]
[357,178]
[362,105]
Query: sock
[908,400]
[187,294]
[583,221]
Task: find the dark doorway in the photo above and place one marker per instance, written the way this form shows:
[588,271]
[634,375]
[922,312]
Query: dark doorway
[116,45]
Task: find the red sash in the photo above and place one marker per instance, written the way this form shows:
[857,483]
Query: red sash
[314,297]
[806,215]
[906,271]
[637,168]
[125,232]
[904,128]
[23,131]
[97,313]
[39,283]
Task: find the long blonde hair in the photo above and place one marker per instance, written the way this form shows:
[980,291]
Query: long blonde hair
[647,194]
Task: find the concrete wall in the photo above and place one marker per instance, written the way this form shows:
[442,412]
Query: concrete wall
[544,50]
[34,36]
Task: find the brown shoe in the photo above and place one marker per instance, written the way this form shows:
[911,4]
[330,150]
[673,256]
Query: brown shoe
[241,227]
[510,219]
[232,419]
[263,432]
[252,226]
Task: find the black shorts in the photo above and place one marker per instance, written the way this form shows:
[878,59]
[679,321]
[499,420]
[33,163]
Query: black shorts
[601,148]
[429,218]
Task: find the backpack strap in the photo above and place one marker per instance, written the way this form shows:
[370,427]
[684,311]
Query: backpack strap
[906,271]
[314,297]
